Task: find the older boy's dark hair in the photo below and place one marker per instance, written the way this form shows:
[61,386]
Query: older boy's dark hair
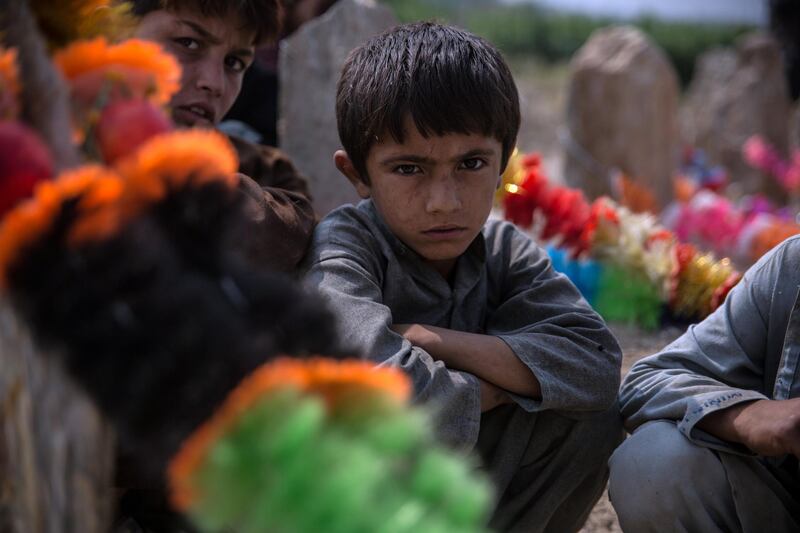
[261,16]
[446,79]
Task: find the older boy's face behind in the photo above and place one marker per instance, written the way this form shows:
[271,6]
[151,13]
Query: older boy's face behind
[214,54]
[434,193]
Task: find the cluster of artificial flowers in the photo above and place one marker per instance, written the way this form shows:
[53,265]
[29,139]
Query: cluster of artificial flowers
[743,230]
[120,90]
[643,266]
[761,155]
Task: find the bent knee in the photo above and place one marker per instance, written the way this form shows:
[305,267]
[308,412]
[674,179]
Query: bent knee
[656,471]
[657,451]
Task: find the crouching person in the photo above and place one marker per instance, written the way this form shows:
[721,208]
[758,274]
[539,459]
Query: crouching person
[513,360]
[716,416]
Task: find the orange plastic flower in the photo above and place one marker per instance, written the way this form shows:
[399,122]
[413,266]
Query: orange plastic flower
[9,76]
[635,196]
[98,191]
[141,68]
[770,236]
[9,83]
[328,378]
[684,189]
[177,159]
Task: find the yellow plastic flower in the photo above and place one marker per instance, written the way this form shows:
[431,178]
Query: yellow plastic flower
[512,176]
[698,282]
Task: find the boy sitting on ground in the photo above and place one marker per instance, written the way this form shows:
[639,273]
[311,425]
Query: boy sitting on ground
[715,416]
[517,364]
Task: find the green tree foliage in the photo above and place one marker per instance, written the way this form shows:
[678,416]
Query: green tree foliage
[530,30]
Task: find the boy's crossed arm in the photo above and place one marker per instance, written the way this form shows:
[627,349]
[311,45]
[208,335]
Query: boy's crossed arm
[349,280]
[485,356]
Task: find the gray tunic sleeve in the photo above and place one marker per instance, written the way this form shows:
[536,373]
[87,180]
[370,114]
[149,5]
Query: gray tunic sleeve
[550,327]
[721,361]
[346,269]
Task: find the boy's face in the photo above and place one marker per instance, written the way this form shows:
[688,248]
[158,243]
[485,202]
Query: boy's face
[214,54]
[435,194]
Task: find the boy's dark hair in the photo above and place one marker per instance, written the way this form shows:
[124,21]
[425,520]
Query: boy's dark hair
[261,16]
[446,79]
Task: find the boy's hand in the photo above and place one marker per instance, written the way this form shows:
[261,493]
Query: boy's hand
[424,337]
[767,427]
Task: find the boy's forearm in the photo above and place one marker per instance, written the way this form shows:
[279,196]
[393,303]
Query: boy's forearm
[485,356]
[767,427]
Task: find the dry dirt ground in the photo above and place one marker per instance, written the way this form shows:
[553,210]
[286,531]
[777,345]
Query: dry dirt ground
[543,98]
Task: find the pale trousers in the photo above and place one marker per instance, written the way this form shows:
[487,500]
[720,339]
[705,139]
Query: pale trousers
[661,481]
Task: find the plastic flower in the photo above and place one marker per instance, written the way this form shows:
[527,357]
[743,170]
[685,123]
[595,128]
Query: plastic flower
[24,161]
[699,282]
[623,237]
[96,191]
[711,220]
[323,445]
[512,175]
[132,68]
[9,84]
[176,159]
[624,295]
[761,155]
[684,188]
[636,197]
[523,186]
[334,381]
[565,211]
[602,226]
[659,260]
[721,292]
[770,235]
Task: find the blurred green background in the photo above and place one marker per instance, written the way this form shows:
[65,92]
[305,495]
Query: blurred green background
[525,30]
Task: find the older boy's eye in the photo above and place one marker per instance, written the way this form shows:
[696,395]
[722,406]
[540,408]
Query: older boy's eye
[187,42]
[406,170]
[235,64]
[473,163]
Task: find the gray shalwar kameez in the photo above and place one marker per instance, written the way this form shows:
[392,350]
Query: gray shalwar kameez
[548,456]
[671,476]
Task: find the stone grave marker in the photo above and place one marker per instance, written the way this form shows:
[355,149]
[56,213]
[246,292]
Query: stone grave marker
[736,93]
[622,114]
[310,63]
